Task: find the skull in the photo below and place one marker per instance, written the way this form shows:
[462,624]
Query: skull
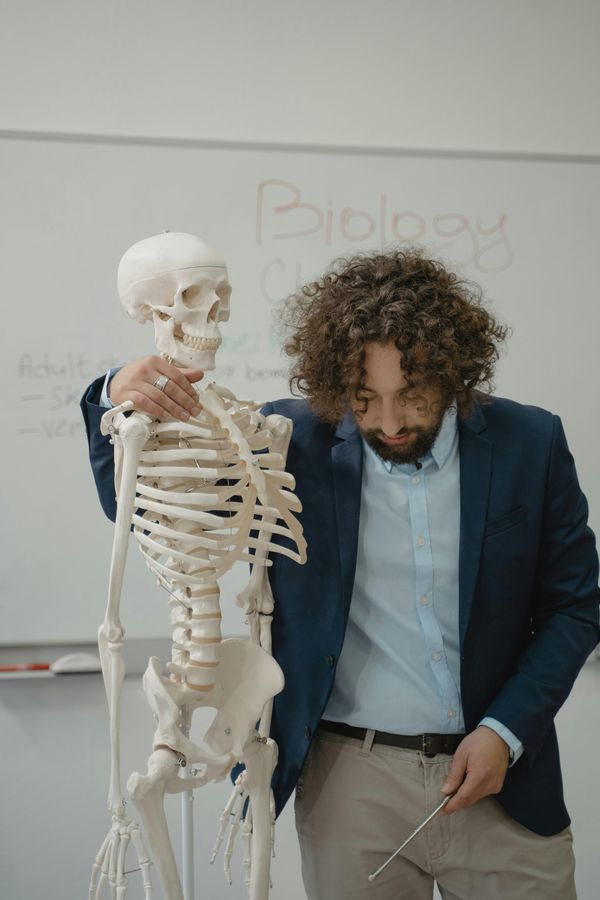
[179,282]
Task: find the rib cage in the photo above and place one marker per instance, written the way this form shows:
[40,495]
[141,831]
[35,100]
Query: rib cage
[191,521]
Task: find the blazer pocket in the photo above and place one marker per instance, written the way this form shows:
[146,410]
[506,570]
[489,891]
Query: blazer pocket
[508,520]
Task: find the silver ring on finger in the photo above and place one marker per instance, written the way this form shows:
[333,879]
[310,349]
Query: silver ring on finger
[161,382]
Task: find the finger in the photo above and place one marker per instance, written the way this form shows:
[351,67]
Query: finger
[178,388]
[468,794]
[170,405]
[193,374]
[181,398]
[149,399]
[456,773]
[178,376]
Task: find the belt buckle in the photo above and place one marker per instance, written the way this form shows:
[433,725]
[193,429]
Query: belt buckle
[426,746]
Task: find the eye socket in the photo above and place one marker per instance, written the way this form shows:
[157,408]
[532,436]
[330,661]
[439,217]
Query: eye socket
[189,296]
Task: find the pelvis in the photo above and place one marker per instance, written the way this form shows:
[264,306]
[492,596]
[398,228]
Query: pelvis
[246,679]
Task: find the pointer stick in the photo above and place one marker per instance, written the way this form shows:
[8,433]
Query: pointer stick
[419,828]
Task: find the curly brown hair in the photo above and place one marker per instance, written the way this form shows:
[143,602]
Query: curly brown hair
[447,339]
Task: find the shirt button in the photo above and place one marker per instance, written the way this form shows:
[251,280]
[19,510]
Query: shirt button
[307,731]
[330,660]
[437,655]
[421,541]
[424,600]
[451,713]
[416,479]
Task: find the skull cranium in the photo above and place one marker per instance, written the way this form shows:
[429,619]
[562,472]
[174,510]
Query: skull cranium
[181,283]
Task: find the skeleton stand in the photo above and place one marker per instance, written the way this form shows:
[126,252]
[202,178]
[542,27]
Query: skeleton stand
[187,830]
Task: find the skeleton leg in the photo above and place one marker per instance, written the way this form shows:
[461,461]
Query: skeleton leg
[144,861]
[147,792]
[247,677]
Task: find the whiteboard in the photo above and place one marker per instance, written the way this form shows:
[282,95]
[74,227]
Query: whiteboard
[526,230]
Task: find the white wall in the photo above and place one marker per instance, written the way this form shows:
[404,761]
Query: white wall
[464,74]
[511,75]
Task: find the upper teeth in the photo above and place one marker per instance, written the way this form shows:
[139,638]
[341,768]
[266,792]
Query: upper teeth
[201,343]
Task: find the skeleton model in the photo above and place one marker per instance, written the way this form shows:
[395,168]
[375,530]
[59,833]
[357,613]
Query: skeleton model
[200,495]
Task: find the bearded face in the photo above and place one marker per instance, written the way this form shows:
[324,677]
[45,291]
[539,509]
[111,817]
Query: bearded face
[399,421]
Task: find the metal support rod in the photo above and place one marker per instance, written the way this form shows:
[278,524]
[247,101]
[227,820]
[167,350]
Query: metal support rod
[187,825]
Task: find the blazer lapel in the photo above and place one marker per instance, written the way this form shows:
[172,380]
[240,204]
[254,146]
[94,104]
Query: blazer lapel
[346,461]
[475,453]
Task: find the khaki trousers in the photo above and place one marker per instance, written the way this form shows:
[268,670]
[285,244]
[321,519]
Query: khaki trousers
[356,803]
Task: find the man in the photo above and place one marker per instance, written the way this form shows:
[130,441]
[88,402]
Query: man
[449,599]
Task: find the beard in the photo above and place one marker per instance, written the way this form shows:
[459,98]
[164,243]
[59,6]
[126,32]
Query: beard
[419,445]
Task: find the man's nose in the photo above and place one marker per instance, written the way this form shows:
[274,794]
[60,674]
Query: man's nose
[393,419]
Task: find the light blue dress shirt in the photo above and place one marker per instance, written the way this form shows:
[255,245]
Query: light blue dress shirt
[399,669]
[105,400]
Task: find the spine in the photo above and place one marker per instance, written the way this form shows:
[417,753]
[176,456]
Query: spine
[196,622]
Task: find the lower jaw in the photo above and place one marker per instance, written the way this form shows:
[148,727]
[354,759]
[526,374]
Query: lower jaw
[191,358]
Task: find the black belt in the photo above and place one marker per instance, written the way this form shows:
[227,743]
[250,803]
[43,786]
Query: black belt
[429,744]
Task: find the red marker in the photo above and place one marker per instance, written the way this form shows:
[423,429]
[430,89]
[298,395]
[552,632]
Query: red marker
[26,667]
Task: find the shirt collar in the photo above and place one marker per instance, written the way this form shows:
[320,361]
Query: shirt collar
[439,453]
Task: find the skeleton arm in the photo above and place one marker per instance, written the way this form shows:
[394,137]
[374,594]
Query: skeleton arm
[260,757]
[257,597]
[130,435]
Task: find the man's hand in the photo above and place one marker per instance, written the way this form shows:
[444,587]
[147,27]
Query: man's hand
[136,382]
[478,769]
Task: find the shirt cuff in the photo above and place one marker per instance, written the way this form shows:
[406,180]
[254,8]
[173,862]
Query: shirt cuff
[105,400]
[514,744]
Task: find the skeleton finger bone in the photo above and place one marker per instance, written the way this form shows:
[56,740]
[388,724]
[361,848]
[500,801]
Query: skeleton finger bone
[120,879]
[109,865]
[233,830]
[247,848]
[236,799]
[97,867]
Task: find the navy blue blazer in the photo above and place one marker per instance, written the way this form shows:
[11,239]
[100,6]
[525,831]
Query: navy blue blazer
[528,584]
